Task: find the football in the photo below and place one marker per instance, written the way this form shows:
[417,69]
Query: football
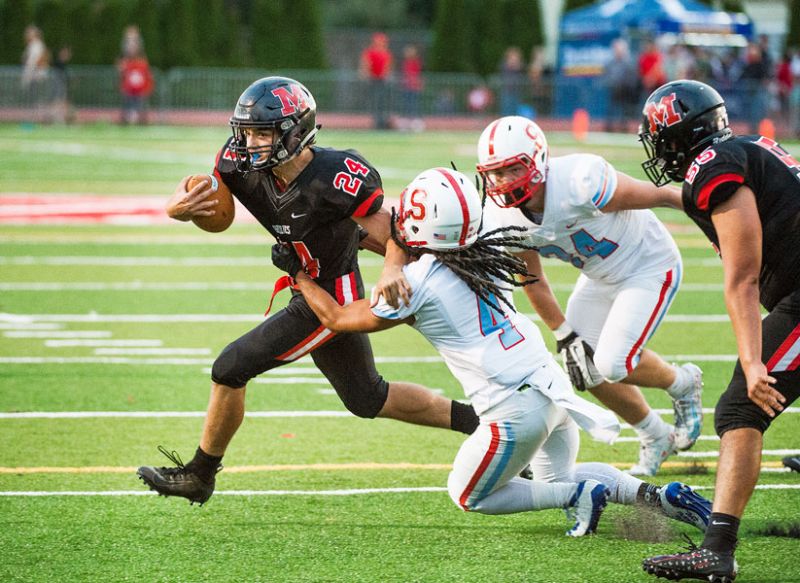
[225,209]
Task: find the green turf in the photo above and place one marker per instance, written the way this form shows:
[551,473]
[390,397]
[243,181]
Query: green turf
[417,536]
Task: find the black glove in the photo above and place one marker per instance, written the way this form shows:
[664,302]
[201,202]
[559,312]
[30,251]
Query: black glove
[285,259]
[577,356]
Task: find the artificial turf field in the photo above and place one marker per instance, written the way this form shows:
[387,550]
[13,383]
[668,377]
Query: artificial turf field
[107,333]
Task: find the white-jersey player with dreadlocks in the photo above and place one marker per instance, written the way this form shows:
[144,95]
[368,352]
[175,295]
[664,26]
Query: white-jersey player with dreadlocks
[579,209]
[461,302]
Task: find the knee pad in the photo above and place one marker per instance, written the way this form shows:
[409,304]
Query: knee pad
[226,370]
[367,402]
[611,366]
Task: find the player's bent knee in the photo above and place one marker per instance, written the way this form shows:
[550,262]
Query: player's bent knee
[227,369]
[455,489]
[610,365]
[732,413]
[366,403]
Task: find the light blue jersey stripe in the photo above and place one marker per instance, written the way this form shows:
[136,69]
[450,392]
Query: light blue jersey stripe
[507,445]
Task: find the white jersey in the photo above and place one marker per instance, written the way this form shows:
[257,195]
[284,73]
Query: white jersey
[610,247]
[491,353]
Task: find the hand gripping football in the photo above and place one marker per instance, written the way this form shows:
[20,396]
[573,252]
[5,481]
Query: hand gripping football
[224,210]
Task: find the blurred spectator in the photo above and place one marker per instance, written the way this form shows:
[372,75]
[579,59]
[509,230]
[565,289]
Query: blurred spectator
[755,78]
[512,79]
[679,63]
[62,112]
[794,99]
[136,85]
[411,69]
[783,77]
[35,71]
[479,99]
[623,83]
[651,68]
[376,67]
[766,55]
[702,65]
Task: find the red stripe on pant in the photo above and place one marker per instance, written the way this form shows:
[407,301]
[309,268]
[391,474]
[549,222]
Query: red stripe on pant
[487,459]
[638,344]
[785,346]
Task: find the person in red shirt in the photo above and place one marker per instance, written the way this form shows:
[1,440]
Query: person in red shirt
[136,85]
[412,84]
[376,67]
[651,68]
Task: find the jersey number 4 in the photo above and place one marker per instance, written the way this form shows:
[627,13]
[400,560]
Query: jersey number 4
[347,181]
[491,320]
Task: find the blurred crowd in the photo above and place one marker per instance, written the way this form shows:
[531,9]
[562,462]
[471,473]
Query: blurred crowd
[755,85]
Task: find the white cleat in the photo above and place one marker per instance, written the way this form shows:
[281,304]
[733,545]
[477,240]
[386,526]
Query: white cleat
[586,506]
[652,455]
[689,410]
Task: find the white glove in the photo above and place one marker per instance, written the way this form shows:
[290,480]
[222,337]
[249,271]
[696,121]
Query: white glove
[577,356]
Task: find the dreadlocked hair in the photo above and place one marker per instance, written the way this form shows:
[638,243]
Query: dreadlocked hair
[485,265]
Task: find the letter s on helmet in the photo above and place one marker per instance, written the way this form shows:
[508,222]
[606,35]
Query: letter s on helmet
[680,119]
[441,210]
[273,102]
[505,142]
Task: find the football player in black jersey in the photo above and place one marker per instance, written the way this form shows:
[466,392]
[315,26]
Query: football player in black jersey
[744,194]
[318,203]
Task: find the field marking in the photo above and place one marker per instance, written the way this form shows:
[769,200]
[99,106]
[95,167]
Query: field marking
[705,454]
[258,414]
[245,260]
[24,325]
[350,467]
[203,286]
[350,492]
[95,318]
[151,351]
[57,333]
[91,342]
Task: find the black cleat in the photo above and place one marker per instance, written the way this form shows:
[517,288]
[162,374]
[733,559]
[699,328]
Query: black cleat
[792,462]
[698,563]
[177,481]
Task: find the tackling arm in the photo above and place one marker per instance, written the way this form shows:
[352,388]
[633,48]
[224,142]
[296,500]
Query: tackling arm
[355,317]
[738,227]
[392,284]
[540,295]
[634,194]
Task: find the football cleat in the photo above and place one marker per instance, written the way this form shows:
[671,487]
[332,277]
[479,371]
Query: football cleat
[680,502]
[792,462]
[697,563]
[689,410]
[652,455]
[586,506]
[180,480]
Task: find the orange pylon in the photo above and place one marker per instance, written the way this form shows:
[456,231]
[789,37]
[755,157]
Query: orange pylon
[766,128]
[580,124]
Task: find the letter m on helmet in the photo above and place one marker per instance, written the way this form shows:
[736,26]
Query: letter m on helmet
[662,113]
[293,100]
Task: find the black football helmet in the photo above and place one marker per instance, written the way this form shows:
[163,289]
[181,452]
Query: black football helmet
[680,119]
[273,102]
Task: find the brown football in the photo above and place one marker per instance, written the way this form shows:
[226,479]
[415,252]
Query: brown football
[225,209]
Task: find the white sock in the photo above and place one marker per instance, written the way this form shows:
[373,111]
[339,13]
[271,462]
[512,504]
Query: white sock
[652,428]
[521,495]
[624,487]
[682,384]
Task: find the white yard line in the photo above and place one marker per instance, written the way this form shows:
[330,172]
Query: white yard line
[348,492]
[101,342]
[152,351]
[57,333]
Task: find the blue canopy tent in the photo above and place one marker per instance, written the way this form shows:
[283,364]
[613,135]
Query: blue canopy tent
[586,35]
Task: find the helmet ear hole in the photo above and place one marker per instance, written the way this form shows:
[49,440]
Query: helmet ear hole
[414,229]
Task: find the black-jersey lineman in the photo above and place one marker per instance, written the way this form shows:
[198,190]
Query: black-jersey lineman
[316,202]
[744,194]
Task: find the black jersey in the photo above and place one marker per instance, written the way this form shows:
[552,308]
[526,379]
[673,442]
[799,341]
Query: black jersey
[314,213]
[774,176]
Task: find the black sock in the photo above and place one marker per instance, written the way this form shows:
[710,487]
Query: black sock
[721,533]
[204,465]
[648,495]
[463,418]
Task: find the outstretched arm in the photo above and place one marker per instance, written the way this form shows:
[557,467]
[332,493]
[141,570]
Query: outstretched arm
[355,317]
[634,194]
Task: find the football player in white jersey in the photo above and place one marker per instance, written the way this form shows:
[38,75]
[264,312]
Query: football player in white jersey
[461,303]
[579,209]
